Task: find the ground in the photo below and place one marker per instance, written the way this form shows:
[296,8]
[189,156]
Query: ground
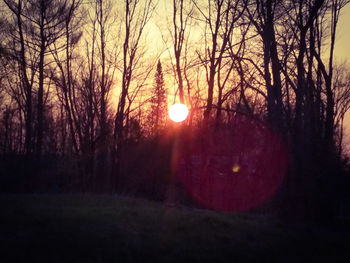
[88,228]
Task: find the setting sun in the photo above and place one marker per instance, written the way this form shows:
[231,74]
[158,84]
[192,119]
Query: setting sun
[178,112]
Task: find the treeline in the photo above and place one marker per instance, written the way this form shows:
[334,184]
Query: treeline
[84,100]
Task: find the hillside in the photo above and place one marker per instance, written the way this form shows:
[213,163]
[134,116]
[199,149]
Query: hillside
[82,228]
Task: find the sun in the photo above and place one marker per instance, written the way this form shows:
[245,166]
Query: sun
[178,112]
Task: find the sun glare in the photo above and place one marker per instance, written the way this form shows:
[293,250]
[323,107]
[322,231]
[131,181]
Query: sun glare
[178,112]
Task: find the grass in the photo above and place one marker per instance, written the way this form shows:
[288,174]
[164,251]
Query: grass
[85,228]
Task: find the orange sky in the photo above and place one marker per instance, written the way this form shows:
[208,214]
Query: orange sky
[343,37]
[342,52]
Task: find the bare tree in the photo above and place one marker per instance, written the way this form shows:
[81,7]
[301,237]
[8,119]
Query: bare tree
[64,78]
[341,91]
[180,22]
[220,19]
[334,7]
[135,19]
[262,14]
[17,10]
[47,23]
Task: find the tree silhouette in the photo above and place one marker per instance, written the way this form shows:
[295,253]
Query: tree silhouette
[158,110]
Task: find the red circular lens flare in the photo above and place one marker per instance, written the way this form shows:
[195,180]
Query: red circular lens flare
[178,112]
[233,167]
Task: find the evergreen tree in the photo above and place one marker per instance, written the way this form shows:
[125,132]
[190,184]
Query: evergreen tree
[158,109]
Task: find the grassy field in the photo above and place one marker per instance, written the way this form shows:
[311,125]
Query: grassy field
[78,228]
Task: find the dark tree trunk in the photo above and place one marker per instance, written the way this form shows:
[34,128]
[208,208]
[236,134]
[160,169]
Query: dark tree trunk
[40,107]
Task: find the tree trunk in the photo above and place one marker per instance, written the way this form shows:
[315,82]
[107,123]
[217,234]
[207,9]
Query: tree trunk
[40,108]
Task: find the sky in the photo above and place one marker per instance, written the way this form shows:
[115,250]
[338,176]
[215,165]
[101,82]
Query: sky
[342,49]
[342,52]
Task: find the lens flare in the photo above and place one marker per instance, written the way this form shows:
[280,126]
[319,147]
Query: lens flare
[178,112]
[236,166]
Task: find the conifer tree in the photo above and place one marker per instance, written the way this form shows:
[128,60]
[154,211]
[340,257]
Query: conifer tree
[158,109]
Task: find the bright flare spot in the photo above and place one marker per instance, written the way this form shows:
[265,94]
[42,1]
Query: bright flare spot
[236,168]
[178,112]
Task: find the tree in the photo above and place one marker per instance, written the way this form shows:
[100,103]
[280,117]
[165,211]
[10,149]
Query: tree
[103,13]
[47,24]
[179,24]
[220,17]
[64,78]
[20,56]
[263,16]
[158,111]
[135,20]
[341,91]
[334,7]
